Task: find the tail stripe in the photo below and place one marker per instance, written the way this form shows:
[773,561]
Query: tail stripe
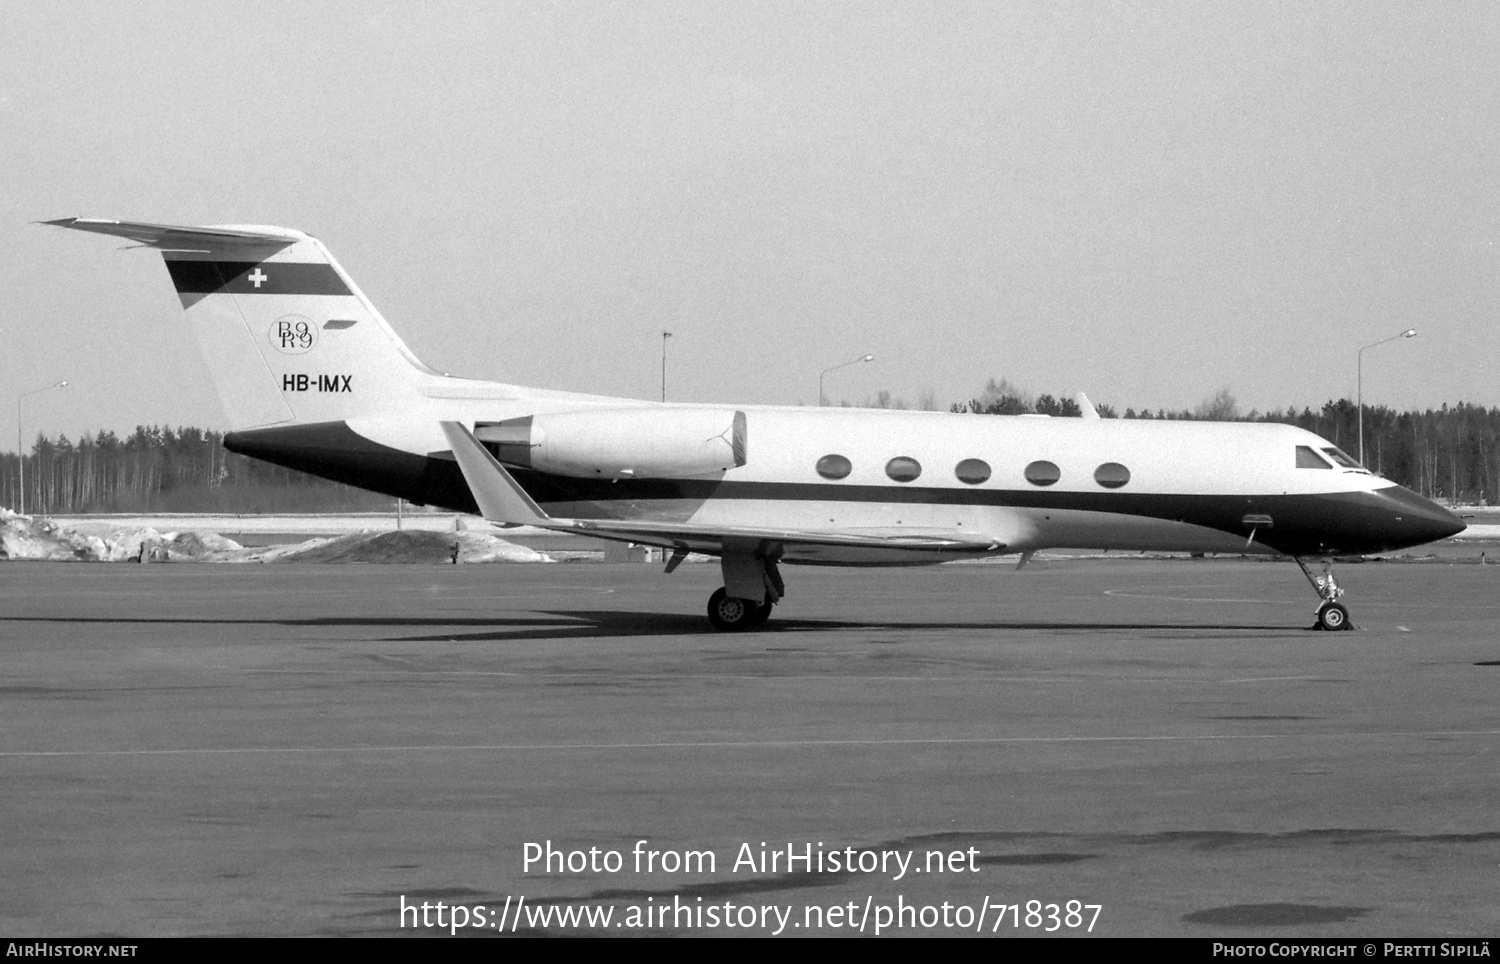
[255,278]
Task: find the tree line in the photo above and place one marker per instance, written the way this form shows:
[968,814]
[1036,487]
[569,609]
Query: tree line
[1450,453]
[157,469]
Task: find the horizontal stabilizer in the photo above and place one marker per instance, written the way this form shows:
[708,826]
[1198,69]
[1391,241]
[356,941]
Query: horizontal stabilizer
[176,237]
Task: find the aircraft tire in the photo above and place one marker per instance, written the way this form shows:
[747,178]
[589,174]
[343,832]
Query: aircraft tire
[728,614]
[761,615]
[1333,616]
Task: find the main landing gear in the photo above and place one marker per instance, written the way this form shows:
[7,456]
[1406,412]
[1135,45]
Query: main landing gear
[1332,614]
[729,614]
[752,585]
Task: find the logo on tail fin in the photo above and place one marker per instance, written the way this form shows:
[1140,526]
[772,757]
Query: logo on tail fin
[293,334]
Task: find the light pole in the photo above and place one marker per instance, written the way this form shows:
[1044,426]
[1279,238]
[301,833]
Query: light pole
[1359,383]
[664,336]
[863,358]
[20,453]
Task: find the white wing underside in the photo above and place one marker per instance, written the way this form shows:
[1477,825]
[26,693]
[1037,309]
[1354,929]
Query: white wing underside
[501,499]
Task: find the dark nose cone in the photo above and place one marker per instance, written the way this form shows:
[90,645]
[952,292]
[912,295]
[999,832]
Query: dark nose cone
[1413,520]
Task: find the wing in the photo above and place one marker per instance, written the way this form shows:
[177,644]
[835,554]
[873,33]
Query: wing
[501,499]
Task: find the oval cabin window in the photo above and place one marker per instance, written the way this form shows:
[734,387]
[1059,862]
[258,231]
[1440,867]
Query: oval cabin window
[1112,475]
[1042,473]
[903,469]
[834,467]
[972,471]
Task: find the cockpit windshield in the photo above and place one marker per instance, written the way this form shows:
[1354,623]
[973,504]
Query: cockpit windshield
[1344,461]
[1309,459]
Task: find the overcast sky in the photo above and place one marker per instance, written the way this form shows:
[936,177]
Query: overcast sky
[1144,201]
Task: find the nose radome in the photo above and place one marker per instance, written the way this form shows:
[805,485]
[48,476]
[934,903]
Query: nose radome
[1421,520]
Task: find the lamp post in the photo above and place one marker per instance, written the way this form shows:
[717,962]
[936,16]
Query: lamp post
[863,358]
[20,453]
[664,336]
[1360,384]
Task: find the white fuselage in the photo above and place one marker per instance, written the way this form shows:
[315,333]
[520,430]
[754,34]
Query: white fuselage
[1244,470]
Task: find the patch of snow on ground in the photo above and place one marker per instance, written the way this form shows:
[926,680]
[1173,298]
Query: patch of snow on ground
[127,539]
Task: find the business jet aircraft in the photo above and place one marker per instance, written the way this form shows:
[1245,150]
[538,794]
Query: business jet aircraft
[313,378]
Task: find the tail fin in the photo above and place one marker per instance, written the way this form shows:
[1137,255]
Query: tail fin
[287,335]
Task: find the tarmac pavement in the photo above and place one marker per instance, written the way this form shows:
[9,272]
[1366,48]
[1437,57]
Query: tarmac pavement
[289,750]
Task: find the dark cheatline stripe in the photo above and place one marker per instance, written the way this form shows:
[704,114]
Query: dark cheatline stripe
[255,278]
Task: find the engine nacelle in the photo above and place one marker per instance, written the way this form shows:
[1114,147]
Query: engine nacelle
[621,443]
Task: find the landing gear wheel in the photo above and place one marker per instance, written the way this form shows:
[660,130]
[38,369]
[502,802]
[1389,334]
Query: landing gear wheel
[729,614]
[1333,616]
[761,615]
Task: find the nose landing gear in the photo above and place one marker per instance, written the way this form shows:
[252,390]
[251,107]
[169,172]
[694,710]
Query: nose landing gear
[1332,614]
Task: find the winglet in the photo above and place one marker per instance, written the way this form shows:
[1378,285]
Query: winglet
[1086,406]
[499,496]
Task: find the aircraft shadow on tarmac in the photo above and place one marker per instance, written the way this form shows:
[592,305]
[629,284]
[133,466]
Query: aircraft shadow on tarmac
[585,623]
[597,623]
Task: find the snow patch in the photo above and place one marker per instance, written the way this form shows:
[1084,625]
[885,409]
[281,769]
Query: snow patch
[25,537]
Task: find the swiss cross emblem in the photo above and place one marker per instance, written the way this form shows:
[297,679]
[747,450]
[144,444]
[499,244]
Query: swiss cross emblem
[258,276]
